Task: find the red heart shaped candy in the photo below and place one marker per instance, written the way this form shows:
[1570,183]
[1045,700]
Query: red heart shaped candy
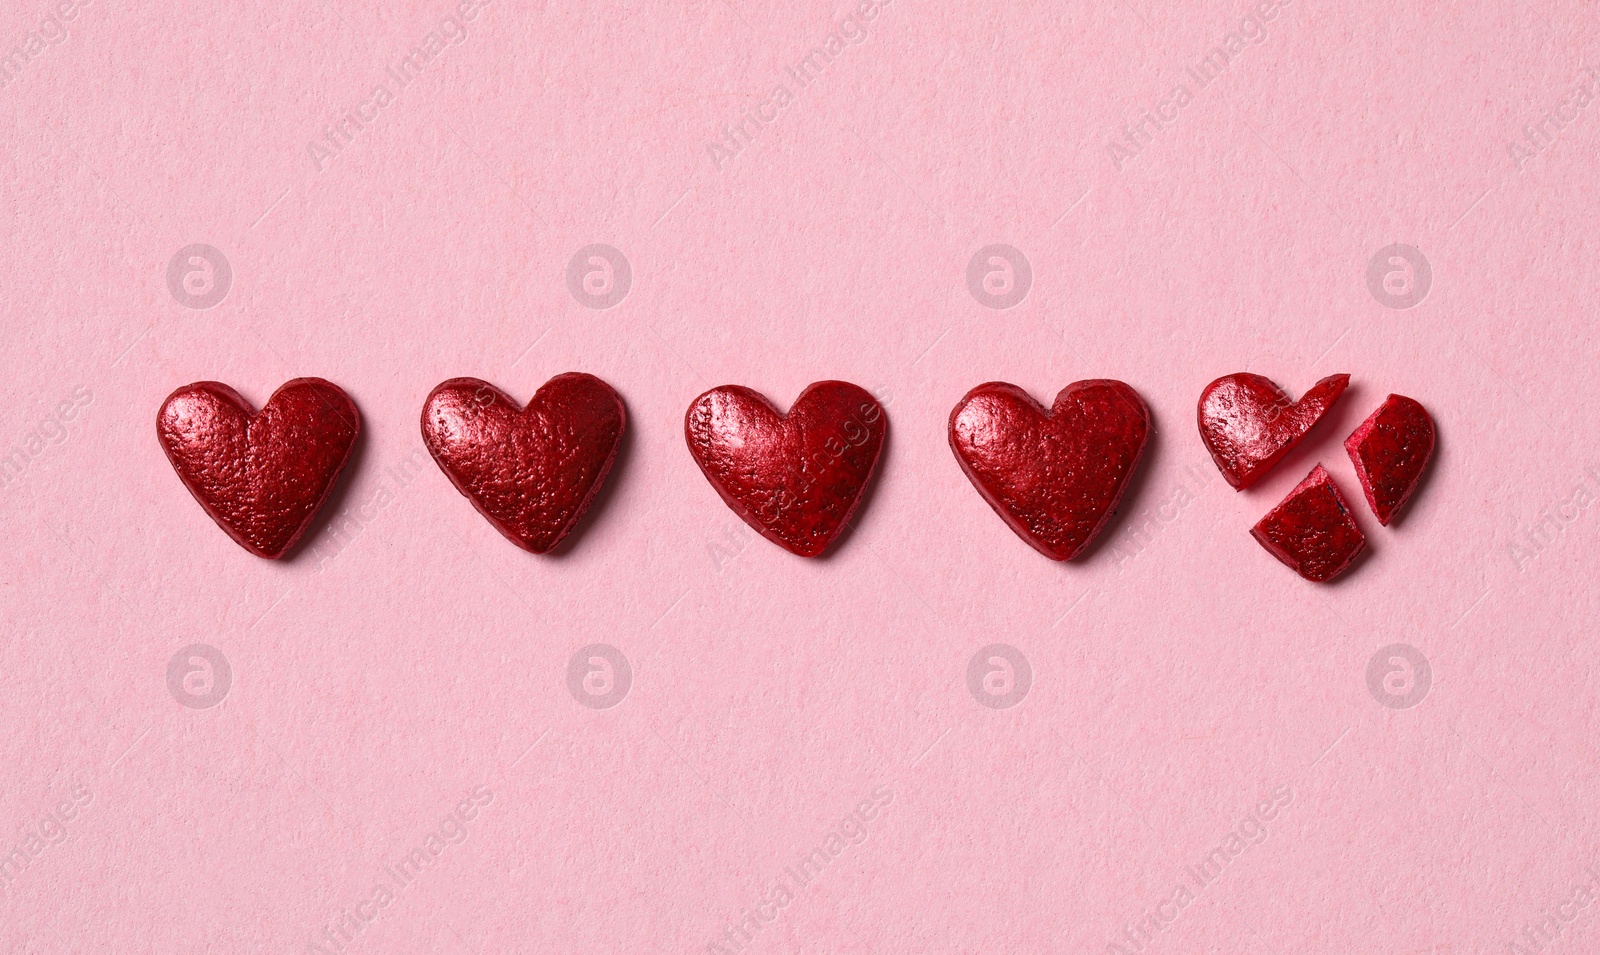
[1054,476]
[534,471]
[797,477]
[1248,422]
[261,475]
[1390,450]
[1312,530]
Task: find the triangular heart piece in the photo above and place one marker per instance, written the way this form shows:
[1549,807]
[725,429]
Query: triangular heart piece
[1312,530]
[1390,450]
[1055,475]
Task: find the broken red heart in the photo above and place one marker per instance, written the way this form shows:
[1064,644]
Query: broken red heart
[1248,422]
[261,475]
[1054,476]
[1390,450]
[533,471]
[1312,530]
[797,477]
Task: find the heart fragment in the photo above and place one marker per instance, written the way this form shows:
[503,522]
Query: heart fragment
[1312,530]
[1248,423]
[1390,450]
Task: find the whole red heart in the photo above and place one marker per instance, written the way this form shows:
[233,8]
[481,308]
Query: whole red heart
[533,471]
[797,477]
[1055,476]
[262,476]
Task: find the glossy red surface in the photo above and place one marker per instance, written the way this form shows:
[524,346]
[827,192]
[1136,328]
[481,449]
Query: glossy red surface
[262,476]
[1248,422]
[1312,530]
[1055,475]
[531,472]
[797,477]
[1390,450]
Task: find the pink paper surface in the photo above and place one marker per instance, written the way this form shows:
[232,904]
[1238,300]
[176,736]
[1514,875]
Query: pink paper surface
[799,763]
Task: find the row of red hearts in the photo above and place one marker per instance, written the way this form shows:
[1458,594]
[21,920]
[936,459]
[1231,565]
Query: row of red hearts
[1054,475]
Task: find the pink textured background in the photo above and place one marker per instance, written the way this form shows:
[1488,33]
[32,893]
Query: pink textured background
[1180,674]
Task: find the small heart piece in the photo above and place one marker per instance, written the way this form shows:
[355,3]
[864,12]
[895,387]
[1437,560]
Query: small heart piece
[1055,476]
[797,477]
[261,475]
[531,471]
[1390,450]
[1248,423]
[1312,530]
